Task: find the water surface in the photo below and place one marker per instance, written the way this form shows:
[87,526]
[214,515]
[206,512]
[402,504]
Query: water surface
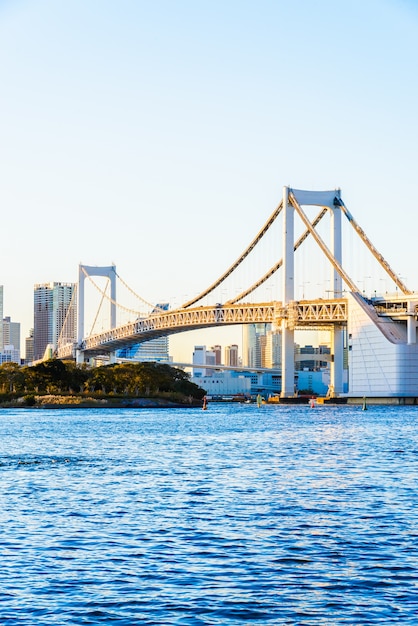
[279,515]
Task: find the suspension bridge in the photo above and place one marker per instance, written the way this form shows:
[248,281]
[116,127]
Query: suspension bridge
[375,335]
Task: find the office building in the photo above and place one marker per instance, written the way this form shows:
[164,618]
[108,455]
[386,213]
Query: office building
[55,316]
[231,355]
[199,359]
[261,346]
[9,355]
[217,351]
[11,333]
[29,347]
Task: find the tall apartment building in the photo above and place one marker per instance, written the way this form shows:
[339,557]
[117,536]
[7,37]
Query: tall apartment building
[217,351]
[55,312]
[231,355]
[272,356]
[9,337]
[29,347]
[11,333]
[253,344]
[199,359]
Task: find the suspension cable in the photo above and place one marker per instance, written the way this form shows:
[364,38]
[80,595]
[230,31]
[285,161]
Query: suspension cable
[124,308]
[135,294]
[373,250]
[278,265]
[246,252]
[99,307]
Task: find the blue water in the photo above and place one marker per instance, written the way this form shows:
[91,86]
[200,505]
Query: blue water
[237,515]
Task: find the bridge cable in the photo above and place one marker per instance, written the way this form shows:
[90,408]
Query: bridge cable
[99,307]
[125,284]
[331,258]
[278,265]
[124,308]
[373,250]
[233,267]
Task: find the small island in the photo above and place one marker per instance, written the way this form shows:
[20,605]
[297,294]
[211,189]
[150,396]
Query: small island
[63,384]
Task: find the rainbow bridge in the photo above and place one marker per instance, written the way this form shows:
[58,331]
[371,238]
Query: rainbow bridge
[376,336]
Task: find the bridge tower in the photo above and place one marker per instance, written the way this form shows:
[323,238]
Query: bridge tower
[293,199]
[89,270]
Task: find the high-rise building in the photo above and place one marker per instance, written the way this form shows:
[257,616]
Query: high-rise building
[253,344]
[217,351]
[54,316]
[11,333]
[272,356]
[261,346]
[231,355]
[199,359]
[29,347]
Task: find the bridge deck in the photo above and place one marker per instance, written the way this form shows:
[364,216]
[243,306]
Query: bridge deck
[308,313]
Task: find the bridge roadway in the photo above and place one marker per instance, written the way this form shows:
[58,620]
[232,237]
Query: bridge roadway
[320,314]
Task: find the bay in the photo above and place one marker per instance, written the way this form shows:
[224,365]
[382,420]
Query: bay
[279,515]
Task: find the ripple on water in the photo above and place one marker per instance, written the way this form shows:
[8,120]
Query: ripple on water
[283,516]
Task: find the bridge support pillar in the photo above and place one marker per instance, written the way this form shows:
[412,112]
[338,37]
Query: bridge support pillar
[89,270]
[288,333]
[337,333]
[337,363]
[288,361]
[411,323]
[79,357]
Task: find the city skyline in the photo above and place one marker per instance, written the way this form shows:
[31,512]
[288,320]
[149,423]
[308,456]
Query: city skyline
[133,134]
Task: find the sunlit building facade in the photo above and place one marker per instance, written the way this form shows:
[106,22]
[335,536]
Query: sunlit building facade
[54,314]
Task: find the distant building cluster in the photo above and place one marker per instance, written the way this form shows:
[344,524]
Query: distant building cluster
[9,337]
[262,351]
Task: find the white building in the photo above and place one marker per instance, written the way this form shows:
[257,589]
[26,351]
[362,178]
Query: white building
[199,359]
[9,355]
[11,333]
[382,353]
[224,384]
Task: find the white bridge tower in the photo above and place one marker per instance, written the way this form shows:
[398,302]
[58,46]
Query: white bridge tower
[83,272]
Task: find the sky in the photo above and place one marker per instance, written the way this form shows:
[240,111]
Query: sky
[158,135]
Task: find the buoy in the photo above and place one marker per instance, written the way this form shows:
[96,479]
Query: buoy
[312,403]
[364,404]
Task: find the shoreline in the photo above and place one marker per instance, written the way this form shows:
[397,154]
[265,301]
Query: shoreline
[75,402]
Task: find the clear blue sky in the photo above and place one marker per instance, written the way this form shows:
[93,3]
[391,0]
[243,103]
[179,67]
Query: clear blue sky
[158,134]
